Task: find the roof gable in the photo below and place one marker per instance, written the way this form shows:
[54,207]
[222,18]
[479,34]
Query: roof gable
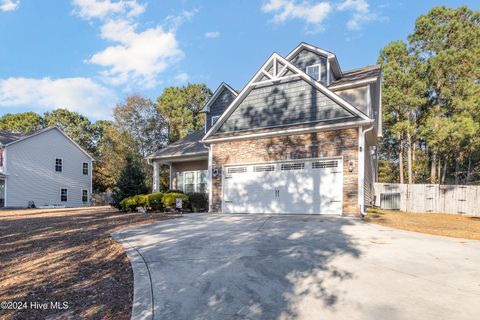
[274,72]
[38,132]
[331,57]
[217,94]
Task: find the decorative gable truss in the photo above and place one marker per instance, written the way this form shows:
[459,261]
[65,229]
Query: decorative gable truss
[278,70]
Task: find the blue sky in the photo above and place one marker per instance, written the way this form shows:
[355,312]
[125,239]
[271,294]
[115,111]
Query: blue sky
[88,55]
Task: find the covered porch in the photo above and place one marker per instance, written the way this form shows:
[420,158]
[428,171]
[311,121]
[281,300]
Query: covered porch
[188,163]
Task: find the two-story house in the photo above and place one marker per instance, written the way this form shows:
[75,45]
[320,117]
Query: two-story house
[300,137]
[43,168]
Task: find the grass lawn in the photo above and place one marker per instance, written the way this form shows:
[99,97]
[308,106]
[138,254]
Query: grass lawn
[66,255]
[449,225]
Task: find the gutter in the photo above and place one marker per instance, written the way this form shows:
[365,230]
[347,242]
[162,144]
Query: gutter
[363,212]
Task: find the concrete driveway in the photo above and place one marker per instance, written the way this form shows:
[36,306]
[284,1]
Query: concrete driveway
[298,267]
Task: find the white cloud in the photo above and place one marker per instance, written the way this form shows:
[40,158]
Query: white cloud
[77,94]
[136,56]
[102,9]
[361,13]
[312,13]
[212,34]
[182,77]
[9,5]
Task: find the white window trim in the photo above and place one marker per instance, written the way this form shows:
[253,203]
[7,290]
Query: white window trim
[66,194]
[319,65]
[82,195]
[55,165]
[88,168]
[214,119]
[195,180]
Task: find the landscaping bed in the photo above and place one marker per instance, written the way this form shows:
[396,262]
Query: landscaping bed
[441,224]
[66,255]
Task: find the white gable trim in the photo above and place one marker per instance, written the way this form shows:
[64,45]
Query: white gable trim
[48,129]
[215,95]
[274,58]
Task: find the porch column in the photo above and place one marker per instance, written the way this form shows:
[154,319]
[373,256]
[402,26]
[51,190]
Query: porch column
[156,176]
[170,176]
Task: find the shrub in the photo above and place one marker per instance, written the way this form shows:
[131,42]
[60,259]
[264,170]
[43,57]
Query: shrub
[128,204]
[154,201]
[169,200]
[198,201]
[141,200]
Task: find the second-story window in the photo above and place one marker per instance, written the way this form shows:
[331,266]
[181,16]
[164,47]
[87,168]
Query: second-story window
[85,168]
[214,119]
[58,165]
[314,71]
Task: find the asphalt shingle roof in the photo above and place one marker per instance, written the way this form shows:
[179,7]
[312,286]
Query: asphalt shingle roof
[8,137]
[357,75]
[189,145]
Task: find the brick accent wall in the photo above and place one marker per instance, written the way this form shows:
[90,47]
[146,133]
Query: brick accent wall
[342,142]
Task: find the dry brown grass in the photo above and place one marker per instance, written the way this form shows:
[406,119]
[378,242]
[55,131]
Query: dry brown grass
[449,225]
[67,255]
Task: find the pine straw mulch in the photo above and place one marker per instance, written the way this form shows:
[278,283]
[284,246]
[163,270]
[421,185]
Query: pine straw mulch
[67,255]
[440,224]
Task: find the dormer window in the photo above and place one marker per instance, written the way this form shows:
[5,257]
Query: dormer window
[214,119]
[314,71]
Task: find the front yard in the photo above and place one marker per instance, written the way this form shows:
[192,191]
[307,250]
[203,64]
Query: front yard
[449,225]
[66,255]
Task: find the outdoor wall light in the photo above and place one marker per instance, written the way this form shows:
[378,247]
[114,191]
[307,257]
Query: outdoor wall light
[215,172]
[351,165]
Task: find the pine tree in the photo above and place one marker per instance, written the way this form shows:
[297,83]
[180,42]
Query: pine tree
[131,181]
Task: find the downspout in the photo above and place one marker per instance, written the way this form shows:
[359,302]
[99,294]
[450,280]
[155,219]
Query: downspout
[363,212]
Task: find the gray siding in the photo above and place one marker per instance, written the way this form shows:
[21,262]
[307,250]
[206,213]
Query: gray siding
[307,58]
[219,105]
[30,169]
[359,98]
[283,104]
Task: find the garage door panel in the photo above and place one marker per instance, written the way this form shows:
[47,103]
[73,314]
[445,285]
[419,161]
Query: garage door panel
[303,187]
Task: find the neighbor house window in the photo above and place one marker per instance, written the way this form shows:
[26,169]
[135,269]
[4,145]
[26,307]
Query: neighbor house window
[84,196]
[192,181]
[314,71]
[214,119]
[85,168]
[63,195]
[58,165]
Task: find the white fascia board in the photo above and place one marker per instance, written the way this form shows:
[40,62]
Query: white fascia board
[215,95]
[307,46]
[353,84]
[343,125]
[300,74]
[181,158]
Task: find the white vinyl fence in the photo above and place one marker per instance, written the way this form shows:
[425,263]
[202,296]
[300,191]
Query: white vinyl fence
[429,198]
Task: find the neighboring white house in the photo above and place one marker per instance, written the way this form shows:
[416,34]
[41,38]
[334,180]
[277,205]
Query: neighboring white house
[45,167]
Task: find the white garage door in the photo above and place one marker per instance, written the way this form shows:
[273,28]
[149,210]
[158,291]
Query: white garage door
[301,186]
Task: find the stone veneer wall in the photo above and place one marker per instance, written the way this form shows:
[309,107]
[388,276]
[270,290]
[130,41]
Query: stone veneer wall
[342,142]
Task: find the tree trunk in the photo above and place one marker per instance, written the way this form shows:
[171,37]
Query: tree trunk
[469,168]
[439,172]
[409,158]
[445,165]
[433,170]
[457,169]
[400,158]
